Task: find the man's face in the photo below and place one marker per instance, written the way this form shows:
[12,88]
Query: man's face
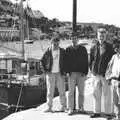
[74,40]
[55,44]
[118,48]
[101,36]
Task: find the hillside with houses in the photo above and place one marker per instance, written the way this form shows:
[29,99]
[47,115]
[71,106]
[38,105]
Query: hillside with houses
[40,27]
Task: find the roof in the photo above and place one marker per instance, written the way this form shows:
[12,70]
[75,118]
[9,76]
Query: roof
[37,14]
[7,53]
[33,13]
[7,1]
[6,8]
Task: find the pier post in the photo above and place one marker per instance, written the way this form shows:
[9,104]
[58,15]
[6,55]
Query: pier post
[74,30]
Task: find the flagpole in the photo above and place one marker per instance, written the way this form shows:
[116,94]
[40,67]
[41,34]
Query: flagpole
[73,31]
[74,16]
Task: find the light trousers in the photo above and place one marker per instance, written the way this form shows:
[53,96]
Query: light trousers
[102,93]
[115,96]
[52,79]
[76,79]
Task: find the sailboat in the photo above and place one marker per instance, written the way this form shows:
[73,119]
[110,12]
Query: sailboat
[21,84]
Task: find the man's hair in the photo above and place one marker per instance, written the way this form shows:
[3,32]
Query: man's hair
[101,30]
[55,39]
[116,44]
[74,34]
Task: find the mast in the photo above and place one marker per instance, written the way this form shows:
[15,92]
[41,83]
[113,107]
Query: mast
[22,28]
[74,16]
[27,23]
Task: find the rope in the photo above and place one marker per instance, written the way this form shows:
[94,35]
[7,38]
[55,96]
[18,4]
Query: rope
[19,97]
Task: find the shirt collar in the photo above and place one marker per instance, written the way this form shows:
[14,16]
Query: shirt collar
[118,55]
[55,49]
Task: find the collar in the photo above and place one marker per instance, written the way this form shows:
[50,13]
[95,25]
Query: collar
[55,49]
[118,55]
[75,45]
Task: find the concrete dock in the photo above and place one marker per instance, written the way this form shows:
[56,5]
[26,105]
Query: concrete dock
[38,113]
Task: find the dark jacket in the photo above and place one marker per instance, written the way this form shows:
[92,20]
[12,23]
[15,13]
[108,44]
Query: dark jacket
[47,60]
[76,59]
[98,63]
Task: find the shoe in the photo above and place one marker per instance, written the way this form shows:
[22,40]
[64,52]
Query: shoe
[95,115]
[117,117]
[109,117]
[81,110]
[63,109]
[48,110]
[70,112]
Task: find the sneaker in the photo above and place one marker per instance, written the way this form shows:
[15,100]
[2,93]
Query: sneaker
[70,112]
[48,110]
[95,115]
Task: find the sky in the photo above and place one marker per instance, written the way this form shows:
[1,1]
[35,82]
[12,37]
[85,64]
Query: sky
[96,11]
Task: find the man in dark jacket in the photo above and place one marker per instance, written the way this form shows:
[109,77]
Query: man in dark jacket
[53,64]
[77,68]
[100,55]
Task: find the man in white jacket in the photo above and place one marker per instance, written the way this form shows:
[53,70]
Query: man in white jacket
[113,77]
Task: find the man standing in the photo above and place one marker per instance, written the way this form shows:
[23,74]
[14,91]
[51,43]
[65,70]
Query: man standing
[114,78]
[100,55]
[77,68]
[53,64]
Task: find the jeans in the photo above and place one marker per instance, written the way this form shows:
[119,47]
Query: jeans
[116,96]
[76,79]
[51,80]
[102,90]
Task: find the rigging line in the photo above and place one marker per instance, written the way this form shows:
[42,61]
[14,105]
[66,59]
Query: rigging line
[2,100]
[42,48]
[33,22]
[19,98]
[27,22]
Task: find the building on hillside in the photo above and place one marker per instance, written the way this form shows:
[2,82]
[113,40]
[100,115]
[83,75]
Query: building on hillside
[6,6]
[9,34]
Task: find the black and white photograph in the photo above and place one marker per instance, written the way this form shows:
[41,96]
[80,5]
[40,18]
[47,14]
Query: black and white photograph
[59,60]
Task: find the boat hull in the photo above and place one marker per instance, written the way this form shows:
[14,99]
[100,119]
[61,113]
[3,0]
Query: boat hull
[16,97]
